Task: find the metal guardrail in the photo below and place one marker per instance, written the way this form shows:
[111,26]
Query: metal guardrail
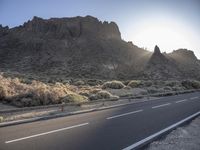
[95,101]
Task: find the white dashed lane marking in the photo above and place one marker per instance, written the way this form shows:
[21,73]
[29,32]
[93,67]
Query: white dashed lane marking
[125,114]
[180,101]
[45,133]
[192,98]
[163,105]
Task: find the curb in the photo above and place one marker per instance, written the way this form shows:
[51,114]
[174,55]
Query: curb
[144,142]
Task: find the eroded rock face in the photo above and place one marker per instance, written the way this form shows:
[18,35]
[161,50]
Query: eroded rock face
[74,47]
[73,27]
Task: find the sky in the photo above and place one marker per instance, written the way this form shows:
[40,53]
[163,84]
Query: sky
[170,24]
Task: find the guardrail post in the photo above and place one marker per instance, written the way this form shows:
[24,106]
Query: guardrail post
[62,106]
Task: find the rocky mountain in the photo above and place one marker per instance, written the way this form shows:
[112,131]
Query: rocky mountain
[88,48]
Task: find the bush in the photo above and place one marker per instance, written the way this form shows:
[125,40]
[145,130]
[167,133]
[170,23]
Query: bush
[93,82]
[1,119]
[152,90]
[74,98]
[191,84]
[134,83]
[102,95]
[3,92]
[147,83]
[167,88]
[113,85]
[79,82]
[171,83]
[34,93]
[27,102]
[177,88]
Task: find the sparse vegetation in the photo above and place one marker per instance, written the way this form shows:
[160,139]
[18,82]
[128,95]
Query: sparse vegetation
[102,95]
[188,84]
[36,93]
[79,82]
[172,83]
[25,92]
[3,92]
[113,85]
[147,83]
[134,83]
[1,119]
[74,98]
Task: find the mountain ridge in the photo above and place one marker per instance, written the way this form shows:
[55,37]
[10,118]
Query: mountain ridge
[84,47]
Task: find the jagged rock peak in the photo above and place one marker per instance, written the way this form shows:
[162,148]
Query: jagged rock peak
[157,50]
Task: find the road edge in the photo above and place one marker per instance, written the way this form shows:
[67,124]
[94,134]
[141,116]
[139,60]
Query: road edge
[160,133]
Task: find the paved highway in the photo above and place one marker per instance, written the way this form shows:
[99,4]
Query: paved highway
[110,129]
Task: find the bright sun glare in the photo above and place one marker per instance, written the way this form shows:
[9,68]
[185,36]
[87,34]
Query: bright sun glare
[168,36]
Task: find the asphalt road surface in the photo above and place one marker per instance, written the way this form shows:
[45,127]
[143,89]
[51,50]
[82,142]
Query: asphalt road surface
[110,129]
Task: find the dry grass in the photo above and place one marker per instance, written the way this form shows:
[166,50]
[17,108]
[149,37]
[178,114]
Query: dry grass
[75,98]
[36,93]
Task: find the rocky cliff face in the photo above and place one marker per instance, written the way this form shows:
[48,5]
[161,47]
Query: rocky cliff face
[62,28]
[84,47]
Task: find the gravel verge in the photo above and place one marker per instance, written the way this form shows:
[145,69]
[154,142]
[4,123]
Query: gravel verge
[183,138]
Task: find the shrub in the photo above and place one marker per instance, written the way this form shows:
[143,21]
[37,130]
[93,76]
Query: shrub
[113,85]
[171,83]
[147,83]
[152,90]
[26,102]
[102,95]
[79,82]
[47,94]
[126,82]
[143,93]
[93,82]
[167,88]
[3,92]
[189,84]
[177,88]
[36,93]
[1,118]
[134,83]
[74,98]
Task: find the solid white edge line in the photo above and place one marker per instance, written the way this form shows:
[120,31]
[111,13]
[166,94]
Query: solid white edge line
[180,101]
[161,105]
[194,98]
[160,132]
[125,114]
[45,133]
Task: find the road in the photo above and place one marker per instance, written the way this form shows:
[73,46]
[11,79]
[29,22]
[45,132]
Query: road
[110,129]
